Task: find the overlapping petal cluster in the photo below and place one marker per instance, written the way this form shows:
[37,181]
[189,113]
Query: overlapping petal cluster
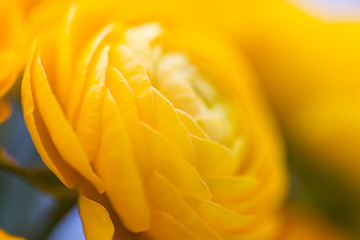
[158,124]
[20,20]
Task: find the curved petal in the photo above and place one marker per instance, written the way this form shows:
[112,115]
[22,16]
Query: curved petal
[165,227]
[87,127]
[232,188]
[164,197]
[59,129]
[173,166]
[96,220]
[168,123]
[213,159]
[217,216]
[190,124]
[116,165]
[124,59]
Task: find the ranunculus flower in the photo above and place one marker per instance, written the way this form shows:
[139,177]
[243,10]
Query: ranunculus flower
[157,123]
[5,236]
[20,20]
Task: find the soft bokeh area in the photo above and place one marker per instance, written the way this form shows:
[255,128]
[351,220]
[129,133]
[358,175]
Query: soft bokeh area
[307,61]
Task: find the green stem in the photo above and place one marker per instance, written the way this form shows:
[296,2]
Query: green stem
[42,179]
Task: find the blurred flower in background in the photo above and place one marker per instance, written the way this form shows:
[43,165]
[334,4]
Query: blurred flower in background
[309,70]
[20,21]
[308,67]
[304,53]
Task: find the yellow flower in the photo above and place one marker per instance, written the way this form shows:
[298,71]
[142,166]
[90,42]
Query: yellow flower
[158,124]
[20,20]
[5,236]
[310,71]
